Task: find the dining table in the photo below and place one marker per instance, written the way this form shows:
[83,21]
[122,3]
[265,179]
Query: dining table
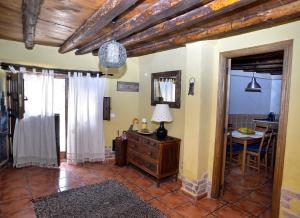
[245,140]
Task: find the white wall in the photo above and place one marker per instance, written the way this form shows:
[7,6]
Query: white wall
[241,102]
[275,95]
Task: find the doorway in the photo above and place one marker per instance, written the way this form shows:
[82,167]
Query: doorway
[59,106]
[222,117]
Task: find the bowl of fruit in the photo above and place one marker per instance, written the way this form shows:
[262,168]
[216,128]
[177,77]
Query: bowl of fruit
[246,130]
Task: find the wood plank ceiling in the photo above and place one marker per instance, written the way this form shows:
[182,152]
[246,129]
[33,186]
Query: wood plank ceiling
[271,63]
[143,26]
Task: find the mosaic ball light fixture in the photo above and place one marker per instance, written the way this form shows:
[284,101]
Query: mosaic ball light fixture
[112,54]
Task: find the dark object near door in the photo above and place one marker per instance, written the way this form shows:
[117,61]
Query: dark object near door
[106,108]
[121,151]
[271,117]
[16,93]
[57,137]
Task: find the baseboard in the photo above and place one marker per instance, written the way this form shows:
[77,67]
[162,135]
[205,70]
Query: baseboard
[193,196]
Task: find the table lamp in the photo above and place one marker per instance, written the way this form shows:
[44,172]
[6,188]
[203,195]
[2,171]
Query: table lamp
[162,114]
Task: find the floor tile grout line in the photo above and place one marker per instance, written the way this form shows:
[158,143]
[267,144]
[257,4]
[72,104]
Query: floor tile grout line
[259,185]
[117,173]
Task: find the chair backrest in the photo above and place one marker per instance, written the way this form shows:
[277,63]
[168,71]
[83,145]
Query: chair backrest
[274,139]
[261,127]
[266,140]
[229,141]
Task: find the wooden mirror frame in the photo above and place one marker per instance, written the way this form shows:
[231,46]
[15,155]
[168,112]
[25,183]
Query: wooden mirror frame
[177,75]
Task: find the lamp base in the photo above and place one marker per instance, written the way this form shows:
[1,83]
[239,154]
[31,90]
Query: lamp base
[161,132]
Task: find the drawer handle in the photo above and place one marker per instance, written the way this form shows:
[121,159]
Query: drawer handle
[152,143]
[149,153]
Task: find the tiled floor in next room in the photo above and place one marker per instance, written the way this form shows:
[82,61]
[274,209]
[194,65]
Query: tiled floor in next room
[19,186]
[251,193]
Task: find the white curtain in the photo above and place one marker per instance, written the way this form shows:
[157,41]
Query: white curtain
[85,140]
[157,93]
[34,136]
[167,89]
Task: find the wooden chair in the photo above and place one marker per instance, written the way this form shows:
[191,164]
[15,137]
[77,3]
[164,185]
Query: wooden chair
[272,150]
[233,150]
[257,154]
[261,127]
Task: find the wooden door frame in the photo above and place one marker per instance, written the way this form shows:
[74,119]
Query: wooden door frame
[287,47]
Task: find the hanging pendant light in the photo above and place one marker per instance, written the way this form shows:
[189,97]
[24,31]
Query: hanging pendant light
[253,86]
[112,54]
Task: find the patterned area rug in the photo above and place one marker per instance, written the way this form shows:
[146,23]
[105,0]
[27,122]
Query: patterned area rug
[107,199]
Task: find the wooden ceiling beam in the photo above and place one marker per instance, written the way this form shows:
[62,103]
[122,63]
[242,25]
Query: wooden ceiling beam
[260,69]
[270,71]
[261,19]
[254,69]
[201,14]
[268,66]
[256,66]
[151,15]
[101,18]
[30,13]
[260,57]
[256,63]
[95,52]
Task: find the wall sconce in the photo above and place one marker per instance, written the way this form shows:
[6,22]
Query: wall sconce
[191,86]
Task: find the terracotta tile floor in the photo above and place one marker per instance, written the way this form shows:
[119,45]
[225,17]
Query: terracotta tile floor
[19,186]
[250,195]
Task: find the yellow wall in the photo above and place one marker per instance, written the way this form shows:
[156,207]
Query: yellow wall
[44,56]
[160,62]
[195,121]
[195,146]
[199,112]
[291,176]
[291,173]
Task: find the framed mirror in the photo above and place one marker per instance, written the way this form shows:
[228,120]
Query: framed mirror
[166,88]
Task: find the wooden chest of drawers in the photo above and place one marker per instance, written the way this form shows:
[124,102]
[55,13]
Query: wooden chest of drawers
[159,158]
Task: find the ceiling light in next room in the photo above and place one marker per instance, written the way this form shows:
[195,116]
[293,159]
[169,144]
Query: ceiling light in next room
[253,86]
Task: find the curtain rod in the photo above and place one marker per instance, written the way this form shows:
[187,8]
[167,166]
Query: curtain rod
[5,66]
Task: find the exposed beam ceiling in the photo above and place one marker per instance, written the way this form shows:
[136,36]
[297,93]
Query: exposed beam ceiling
[261,63]
[142,26]
[277,55]
[161,10]
[30,13]
[101,18]
[259,67]
[261,19]
[258,63]
[264,71]
[201,14]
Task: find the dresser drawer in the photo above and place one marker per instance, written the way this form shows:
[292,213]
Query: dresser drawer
[133,144]
[159,158]
[144,149]
[140,161]
[151,166]
[133,137]
[152,153]
[150,143]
